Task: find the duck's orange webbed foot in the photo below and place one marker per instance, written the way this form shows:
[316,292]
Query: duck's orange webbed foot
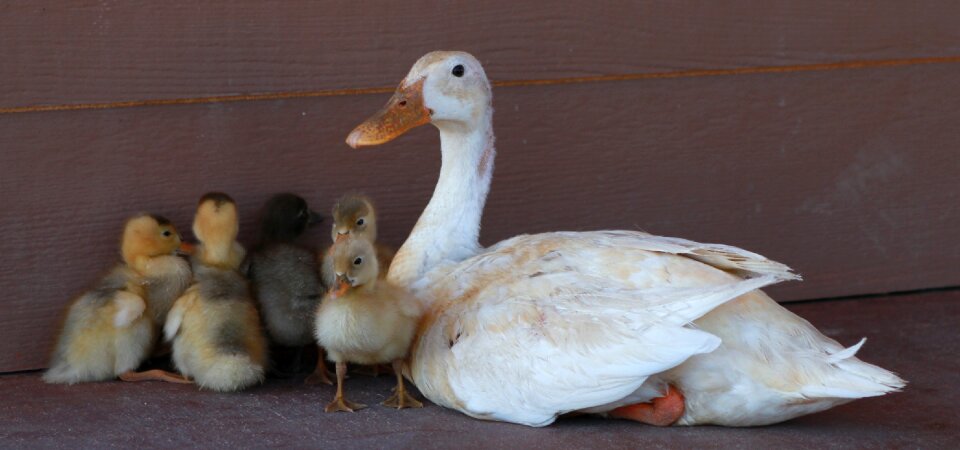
[319,376]
[339,403]
[401,398]
[662,411]
[154,375]
[320,373]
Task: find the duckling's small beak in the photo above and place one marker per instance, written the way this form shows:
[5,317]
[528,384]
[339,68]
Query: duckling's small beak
[403,112]
[186,249]
[315,218]
[340,288]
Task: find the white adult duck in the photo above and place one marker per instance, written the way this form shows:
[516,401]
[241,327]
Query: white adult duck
[598,322]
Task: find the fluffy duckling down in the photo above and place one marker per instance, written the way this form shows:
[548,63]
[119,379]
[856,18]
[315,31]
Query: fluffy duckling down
[214,326]
[355,216]
[107,332]
[366,321]
[285,277]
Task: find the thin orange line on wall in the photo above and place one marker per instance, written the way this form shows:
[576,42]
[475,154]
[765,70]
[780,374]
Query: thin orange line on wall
[846,65]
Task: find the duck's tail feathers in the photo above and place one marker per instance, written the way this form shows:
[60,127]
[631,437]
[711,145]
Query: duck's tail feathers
[741,262]
[724,257]
[62,374]
[854,379]
[229,373]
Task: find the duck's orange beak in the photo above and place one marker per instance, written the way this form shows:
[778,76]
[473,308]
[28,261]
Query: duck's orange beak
[186,248]
[403,112]
[340,288]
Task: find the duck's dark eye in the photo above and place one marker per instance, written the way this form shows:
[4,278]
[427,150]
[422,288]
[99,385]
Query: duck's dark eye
[358,261]
[457,70]
[360,222]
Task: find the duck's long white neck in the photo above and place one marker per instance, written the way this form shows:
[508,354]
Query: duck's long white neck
[449,228]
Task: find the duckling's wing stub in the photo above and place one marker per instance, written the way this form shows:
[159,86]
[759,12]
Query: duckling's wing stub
[129,307]
[175,316]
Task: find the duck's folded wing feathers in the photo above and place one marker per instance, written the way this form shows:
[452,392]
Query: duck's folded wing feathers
[533,348]
[725,257]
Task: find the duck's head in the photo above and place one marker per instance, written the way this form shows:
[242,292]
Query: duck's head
[354,263]
[285,217]
[148,236]
[354,216]
[447,89]
[216,226]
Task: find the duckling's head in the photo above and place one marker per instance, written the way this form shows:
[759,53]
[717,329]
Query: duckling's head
[354,264]
[354,216]
[148,236]
[447,89]
[286,216]
[216,226]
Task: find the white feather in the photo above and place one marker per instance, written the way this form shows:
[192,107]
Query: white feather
[175,316]
[129,308]
[553,335]
[538,325]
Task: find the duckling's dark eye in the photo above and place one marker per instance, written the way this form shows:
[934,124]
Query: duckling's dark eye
[167,233]
[359,221]
[457,70]
[358,261]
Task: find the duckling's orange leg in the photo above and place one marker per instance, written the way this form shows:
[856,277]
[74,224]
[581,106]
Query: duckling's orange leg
[154,375]
[339,403]
[661,412]
[401,398]
[320,373]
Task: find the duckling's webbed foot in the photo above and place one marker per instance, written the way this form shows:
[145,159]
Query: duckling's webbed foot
[154,375]
[339,403]
[662,411]
[401,398]
[320,373]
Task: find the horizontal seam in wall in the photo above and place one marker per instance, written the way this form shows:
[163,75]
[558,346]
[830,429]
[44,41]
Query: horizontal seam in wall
[846,65]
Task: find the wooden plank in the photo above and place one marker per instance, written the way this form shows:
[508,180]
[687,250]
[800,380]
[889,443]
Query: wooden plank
[92,51]
[848,176]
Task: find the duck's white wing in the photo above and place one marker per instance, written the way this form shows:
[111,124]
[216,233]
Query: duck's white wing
[541,325]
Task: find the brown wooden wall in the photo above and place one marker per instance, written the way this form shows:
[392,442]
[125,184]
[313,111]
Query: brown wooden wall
[841,163]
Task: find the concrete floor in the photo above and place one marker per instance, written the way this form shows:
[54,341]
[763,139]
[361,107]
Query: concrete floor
[915,335]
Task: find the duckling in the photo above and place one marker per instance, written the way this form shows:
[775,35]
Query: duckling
[285,277]
[366,321]
[106,333]
[214,326]
[354,215]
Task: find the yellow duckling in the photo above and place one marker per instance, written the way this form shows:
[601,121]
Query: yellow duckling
[355,216]
[106,333]
[214,326]
[364,321]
